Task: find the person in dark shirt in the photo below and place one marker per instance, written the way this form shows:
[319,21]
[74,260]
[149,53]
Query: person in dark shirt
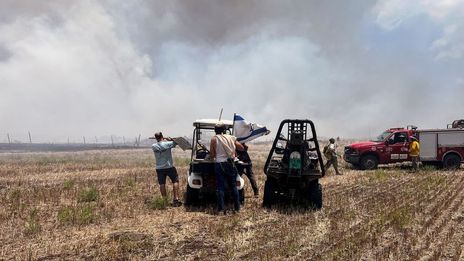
[247,168]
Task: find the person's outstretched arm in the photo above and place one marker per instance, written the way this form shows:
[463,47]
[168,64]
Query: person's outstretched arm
[212,148]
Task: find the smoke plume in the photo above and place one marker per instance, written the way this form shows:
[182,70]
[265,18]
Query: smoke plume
[92,68]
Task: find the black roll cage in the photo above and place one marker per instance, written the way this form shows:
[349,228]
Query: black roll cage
[292,126]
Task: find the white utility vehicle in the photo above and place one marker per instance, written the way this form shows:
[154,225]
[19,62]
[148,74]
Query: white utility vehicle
[201,177]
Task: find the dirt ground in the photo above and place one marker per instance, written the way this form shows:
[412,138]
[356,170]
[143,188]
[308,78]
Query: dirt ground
[100,205]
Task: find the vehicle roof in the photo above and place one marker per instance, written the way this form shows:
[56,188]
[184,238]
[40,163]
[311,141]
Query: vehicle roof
[210,123]
[397,129]
[442,130]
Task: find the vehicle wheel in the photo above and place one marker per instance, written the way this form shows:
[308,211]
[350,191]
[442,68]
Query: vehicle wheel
[269,193]
[191,196]
[369,162]
[452,161]
[241,196]
[315,194]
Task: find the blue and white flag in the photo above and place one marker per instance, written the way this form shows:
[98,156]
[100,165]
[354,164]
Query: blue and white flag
[246,131]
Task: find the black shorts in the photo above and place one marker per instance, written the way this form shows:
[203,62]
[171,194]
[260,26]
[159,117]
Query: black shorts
[170,172]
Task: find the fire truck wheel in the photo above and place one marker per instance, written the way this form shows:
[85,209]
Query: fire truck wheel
[452,161]
[369,162]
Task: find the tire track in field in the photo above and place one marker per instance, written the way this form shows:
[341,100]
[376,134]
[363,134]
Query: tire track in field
[335,190]
[443,227]
[433,214]
[398,203]
[452,249]
[391,187]
[439,193]
[366,194]
[390,190]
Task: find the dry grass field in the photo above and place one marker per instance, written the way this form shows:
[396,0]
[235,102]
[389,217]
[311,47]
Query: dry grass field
[100,205]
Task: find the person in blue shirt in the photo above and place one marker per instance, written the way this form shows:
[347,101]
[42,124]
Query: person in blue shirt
[165,167]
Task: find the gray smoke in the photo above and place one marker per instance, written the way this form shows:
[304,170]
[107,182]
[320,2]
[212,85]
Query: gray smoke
[127,67]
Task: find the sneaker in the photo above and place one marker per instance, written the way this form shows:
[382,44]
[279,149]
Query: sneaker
[177,203]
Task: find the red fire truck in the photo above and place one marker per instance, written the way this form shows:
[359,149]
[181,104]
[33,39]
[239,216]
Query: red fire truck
[442,147]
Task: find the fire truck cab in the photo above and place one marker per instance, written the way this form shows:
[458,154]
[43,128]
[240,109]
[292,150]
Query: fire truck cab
[442,147]
[392,146]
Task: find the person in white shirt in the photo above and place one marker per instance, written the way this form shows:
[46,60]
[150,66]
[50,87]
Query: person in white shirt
[222,150]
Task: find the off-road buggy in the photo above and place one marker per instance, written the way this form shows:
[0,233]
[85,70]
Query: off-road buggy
[294,166]
[201,185]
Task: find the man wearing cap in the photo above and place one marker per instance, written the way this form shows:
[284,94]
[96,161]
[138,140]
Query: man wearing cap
[222,150]
[414,150]
[165,167]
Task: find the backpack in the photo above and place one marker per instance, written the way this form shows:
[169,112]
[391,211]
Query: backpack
[326,151]
[326,148]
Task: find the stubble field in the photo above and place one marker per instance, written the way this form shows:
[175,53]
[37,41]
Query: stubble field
[100,205]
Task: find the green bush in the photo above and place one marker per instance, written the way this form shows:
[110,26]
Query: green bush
[66,215]
[32,225]
[399,218]
[85,215]
[157,203]
[88,194]
[15,200]
[130,183]
[378,176]
[15,196]
[68,184]
[81,215]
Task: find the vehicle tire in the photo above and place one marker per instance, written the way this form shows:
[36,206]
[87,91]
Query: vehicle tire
[191,196]
[369,162]
[241,196]
[315,195]
[452,161]
[269,197]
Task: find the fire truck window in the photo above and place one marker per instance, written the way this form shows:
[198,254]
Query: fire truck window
[391,140]
[401,137]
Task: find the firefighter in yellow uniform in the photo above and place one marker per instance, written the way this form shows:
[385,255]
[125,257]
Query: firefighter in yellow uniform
[414,151]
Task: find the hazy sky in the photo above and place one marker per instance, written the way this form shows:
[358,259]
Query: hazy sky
[74,68]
